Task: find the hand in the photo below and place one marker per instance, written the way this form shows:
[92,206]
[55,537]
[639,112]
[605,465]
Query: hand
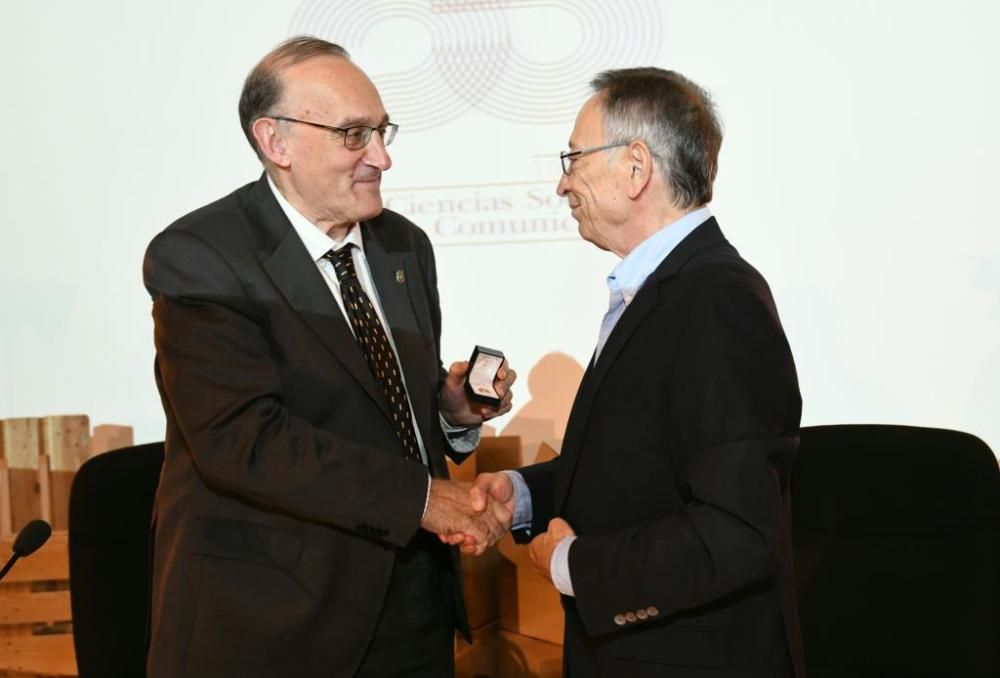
[456,407]
[497,486]
[543,545]
[488,489]
[449,512]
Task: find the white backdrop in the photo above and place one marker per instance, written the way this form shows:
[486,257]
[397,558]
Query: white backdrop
[861,149]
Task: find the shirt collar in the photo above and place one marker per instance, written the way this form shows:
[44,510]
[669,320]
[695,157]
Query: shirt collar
[316,241]
[633,270]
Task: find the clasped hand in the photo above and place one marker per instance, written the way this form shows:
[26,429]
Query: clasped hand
[485,516]
[473,516]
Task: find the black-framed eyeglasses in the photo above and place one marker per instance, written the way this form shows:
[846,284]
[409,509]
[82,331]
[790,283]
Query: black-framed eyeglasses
[567,157]
[356,137]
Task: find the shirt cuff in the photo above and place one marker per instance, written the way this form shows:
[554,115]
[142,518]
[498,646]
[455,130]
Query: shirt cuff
[462,439]
[559,566]
[427,499]
[523,512]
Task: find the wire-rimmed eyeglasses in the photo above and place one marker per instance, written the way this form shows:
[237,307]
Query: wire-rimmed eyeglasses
[567,157]
[356,137]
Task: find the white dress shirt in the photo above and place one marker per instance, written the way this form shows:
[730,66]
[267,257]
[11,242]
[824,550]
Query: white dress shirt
[317,244]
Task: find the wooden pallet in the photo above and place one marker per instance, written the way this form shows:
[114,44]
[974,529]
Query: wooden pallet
[38,458]
[36,634]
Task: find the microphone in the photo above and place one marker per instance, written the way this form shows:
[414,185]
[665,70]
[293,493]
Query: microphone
[29,539]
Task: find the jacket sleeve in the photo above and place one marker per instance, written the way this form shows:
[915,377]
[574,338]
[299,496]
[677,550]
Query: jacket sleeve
[222,390]
[735,415]
[540,479]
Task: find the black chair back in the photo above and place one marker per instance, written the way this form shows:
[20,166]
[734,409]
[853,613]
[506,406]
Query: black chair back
[896,533]
[110,511]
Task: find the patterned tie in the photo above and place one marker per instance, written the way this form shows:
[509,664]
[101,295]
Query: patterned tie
[375,345]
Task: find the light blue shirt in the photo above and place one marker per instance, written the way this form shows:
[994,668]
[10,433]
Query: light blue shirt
[627,277]
[624,282]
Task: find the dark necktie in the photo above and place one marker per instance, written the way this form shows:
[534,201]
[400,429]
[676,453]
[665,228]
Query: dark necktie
[374,343]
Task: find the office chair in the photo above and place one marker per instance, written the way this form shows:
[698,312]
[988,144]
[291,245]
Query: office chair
[110,511]
[896,536]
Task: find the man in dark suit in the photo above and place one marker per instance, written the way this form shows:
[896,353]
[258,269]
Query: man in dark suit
[297,333]
[664,523]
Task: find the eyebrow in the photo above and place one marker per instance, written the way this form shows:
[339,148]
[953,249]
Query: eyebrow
[362,121]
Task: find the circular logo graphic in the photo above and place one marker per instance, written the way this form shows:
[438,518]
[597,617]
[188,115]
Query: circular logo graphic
[435,60]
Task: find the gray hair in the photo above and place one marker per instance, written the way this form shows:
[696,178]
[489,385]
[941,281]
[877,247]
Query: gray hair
[674,117]
[263,88]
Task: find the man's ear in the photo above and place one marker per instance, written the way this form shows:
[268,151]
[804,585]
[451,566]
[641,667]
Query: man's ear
[641,173]
[271,141]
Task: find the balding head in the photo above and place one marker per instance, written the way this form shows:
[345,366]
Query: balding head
[264,87]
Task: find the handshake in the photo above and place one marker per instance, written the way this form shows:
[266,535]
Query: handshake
[473,516]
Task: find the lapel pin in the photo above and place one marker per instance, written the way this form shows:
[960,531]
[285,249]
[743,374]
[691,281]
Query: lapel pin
[400,276]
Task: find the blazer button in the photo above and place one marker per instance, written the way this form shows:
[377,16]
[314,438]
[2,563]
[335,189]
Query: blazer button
[620,619]
[642,614]
[630,617]
[652,611]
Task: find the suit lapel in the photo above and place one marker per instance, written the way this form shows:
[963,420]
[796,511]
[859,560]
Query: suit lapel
[633,316]
[289,265]
[392,274]
[648,297]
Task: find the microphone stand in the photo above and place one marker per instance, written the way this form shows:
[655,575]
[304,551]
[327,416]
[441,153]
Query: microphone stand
[10,564]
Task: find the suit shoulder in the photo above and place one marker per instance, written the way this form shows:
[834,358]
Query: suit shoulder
[216,217]
[397,231]
[721,266]
[717,280]
[395,220]
[193,245]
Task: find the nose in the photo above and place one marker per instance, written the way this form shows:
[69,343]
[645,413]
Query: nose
[376,154]
[562,188]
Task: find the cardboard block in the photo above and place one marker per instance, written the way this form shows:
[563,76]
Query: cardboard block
[522,657]
[498,454]
[464,472]
[478,660]
[480,580]
[529,603]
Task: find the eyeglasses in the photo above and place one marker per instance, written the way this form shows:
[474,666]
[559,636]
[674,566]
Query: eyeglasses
[567,157]
[356,137]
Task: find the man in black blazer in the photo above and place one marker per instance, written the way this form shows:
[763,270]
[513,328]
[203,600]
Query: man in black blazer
[664,523]
[297,332]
